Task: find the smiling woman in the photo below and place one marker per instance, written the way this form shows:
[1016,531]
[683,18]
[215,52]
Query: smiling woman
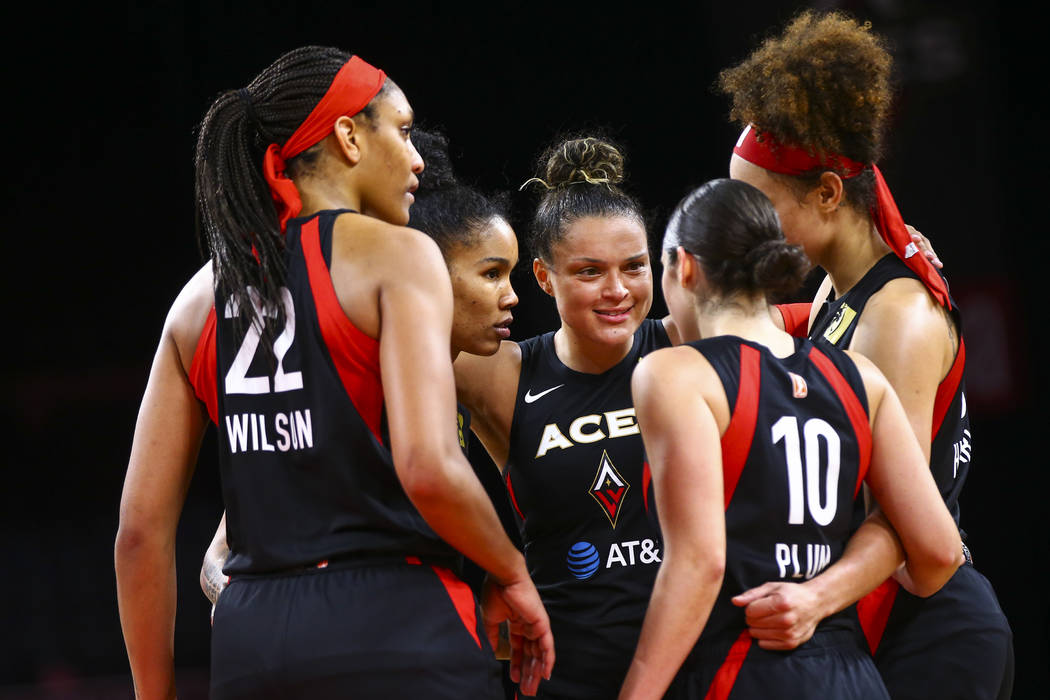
[555,414]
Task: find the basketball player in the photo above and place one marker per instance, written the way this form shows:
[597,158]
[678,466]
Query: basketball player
[758,444]
[316,339]
[555,413]
[880,299]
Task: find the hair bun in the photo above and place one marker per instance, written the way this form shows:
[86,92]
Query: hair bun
[581,160]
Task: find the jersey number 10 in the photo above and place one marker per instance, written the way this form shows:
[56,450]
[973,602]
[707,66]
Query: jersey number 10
[813,431]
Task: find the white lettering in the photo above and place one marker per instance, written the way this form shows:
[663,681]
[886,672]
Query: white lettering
[621,423]
[263,442]
[552,438]
[304,427]
[615,555]
[576,429]
[237,430]
[783,557]
[284,442]
[630,548]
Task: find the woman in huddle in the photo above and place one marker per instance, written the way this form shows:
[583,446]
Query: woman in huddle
[555,413]
[759,443]
[813,103]
[316,339]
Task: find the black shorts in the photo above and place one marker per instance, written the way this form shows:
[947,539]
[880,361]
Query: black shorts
[833,665]
[955,644]
[388,630]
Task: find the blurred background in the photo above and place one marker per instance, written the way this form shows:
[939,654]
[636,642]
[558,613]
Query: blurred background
[103,101]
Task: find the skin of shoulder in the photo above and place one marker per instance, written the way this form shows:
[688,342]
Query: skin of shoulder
[368,255]
[488,387]
[913,343]
[188,313]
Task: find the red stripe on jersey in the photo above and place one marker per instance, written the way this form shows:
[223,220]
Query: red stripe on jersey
[873,611]
[513,498]
[726,675]
[462,599]
[647,477]
[947,388]
[857,416]
[736,442]
[355,355]
[203,370]
[796,318]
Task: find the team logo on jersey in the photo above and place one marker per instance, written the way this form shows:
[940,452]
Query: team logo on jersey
[799,389]
[840,324]
[609,488]
[583,560]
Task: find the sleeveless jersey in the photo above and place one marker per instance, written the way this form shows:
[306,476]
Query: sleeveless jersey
[950,448]
[576,478]
[307,474]
[793,458]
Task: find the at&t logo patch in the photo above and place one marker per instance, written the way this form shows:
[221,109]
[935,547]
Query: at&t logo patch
[583,560]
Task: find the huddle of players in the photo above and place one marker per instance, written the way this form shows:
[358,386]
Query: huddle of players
[687,490]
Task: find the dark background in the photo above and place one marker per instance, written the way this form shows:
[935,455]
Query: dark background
[103,103]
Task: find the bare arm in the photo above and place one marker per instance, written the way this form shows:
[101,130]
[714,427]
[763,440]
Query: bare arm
[488,387]
[902,484]
[168,433]
[682,442]
[911,341]
[415,305]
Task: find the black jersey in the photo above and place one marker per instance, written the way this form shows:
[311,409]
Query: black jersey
[307,474]
[793,458]
[950,446]
[494,486]
[576,476]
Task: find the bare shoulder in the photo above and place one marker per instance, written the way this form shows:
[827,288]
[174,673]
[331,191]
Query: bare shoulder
[189,312]
[671,369]
[671,328]
[875,382]
[370,257]
[371,240]
[903,319]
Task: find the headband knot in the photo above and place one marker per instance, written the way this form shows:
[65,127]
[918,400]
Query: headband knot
[765,151]
[352,88]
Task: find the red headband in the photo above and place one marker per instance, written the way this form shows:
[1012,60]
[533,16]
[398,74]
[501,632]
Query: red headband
[782,158]
[351,90]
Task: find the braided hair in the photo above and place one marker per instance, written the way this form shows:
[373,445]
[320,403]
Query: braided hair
[236,216]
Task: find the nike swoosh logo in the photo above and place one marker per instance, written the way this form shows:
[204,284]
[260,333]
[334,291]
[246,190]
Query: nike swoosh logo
[530,397]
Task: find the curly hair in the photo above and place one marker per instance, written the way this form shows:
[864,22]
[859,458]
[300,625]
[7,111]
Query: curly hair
[582,177]
[823,83]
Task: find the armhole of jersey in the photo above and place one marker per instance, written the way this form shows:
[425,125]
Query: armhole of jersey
[796,318]
[203,377]
[736,442]
[857,415]
[354,354]
[513,498]
[947,388]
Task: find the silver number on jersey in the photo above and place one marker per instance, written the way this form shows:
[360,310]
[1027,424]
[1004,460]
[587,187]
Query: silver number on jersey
[813,431]
[237,379]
